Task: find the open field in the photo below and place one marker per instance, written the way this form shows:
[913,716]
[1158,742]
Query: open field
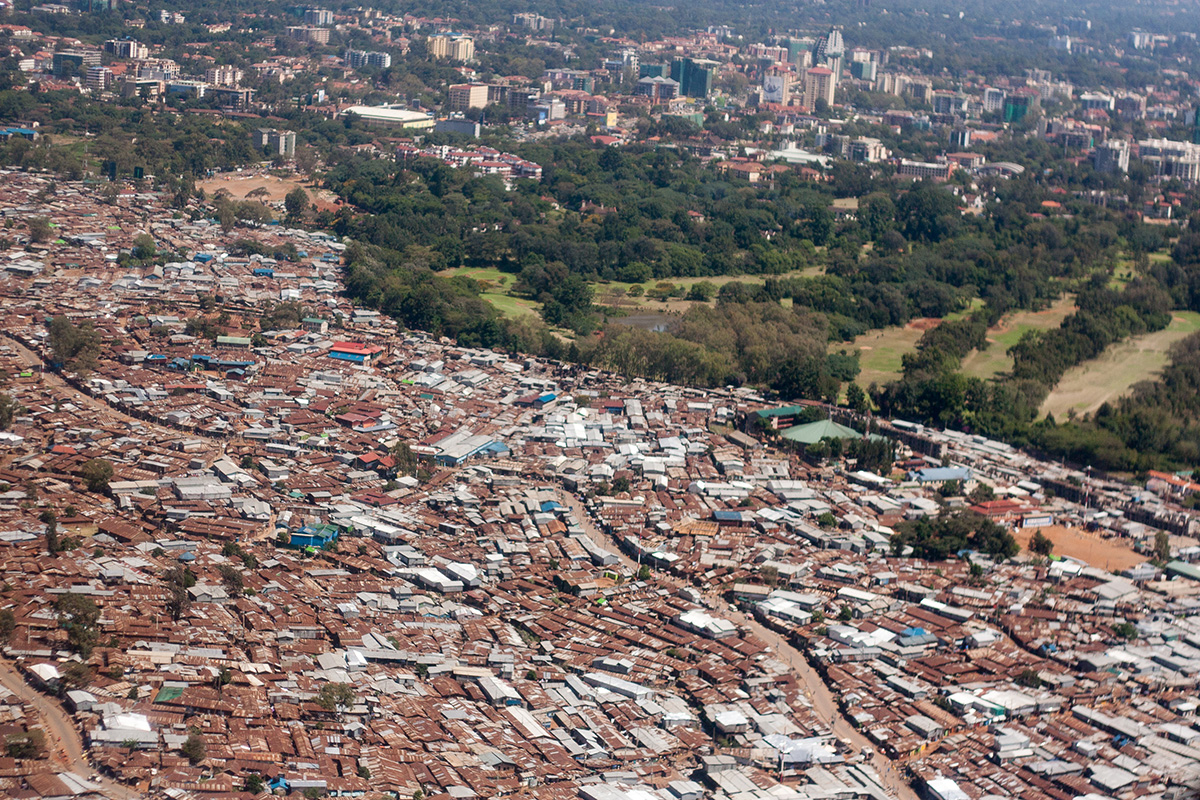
[991,362]
[1109,554]
[1126,270]
[511,306]
[497,287]
[1115,371]
[880,352]
[240,184]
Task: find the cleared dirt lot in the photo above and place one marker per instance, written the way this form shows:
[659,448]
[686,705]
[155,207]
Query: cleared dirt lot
[1109,554]
[240,184]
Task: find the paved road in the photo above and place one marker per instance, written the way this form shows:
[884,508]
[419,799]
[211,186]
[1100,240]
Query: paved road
[62,738]
[823,702]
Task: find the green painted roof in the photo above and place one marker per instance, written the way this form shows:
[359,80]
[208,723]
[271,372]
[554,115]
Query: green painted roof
[782,411]
[168,693]
[814,432]
[1184,570]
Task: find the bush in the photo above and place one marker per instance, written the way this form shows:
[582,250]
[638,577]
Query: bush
[193,748]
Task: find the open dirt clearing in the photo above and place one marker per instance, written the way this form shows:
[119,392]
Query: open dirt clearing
[1109,554]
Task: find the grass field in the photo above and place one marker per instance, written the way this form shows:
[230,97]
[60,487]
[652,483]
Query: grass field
[497,287]
[1115,371]
[880,352]
[995,359]
[511,306]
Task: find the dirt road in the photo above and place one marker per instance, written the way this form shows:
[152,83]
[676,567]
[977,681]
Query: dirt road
[62,739]
[823,702]
[33,360]
[825,706]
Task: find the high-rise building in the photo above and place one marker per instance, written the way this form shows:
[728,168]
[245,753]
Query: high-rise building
[863,70]
[993,99]
[281,143]
[658,88]
[949,103]
[225,75]
[356,59]
[453,46]
[960,138]
[467,95]
[533,21]
[1111,156]
[799,50]
[74,62]
[830,51]
[694,76]
[127,48]
[308,33]
[1130,106]
[99,79]
[1171,159]
[776,86]
[920,90]
[1018,105]
[1090,101]
[819,84]
[1141,40]
[1075,25]
[318,16]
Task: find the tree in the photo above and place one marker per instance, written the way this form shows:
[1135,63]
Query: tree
[144,246]
[73,347]
[1125,630]
[938,539]
[857,399]
[53,545]
[805,378]
[296,202]
[982,493]
[8,624]
[1041,544]
[39,229]
[702,292]
[76,675]
[97,473]
[29,744]
[364,772]
[9,408]
[1029,678]
[234,583]
[335,697]
[254,784]
[193,748]
[1162,547]
[80,616]
[643,573]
